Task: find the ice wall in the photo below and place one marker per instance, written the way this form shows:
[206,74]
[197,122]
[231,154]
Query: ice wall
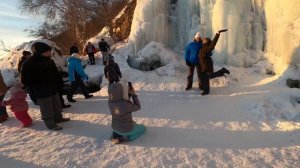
[283,32]
[242,44]
[256,28]
[149,23]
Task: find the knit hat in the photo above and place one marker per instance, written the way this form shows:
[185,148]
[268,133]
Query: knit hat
[40,47]
[197,35]
[110,57]
[26,53]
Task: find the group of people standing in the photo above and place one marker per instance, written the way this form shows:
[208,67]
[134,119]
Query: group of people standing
[198,56]
[90,50]
[40,77]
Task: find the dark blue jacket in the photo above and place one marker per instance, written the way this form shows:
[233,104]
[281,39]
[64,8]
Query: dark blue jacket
[74,65]
[192,52]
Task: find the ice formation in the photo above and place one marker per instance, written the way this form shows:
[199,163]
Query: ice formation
[258,29]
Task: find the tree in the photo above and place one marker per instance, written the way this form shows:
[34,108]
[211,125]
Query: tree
[72,20]
[3,47]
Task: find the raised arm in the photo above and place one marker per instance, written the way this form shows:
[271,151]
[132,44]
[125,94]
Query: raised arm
[135,105]
[215,40]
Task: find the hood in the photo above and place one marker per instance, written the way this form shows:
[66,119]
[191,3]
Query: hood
[115,92]
[17,87]
[76,55]
[74,59]
[110,62]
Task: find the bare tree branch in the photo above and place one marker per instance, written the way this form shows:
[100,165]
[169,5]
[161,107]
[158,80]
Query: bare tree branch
[3,47]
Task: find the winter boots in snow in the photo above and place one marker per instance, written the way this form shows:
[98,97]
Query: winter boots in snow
[117,139]
[225,71]
[57,127]
[62,120]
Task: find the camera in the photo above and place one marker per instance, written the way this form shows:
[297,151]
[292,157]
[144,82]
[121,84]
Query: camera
[129,89]
[130,86]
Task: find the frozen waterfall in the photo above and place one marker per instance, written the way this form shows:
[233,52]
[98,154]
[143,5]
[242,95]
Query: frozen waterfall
[257,28]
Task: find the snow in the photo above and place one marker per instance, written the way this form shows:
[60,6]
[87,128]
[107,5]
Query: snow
[104,34]
[249,120]
[9,62]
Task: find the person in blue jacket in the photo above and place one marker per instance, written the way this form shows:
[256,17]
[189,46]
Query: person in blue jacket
[76,75]
[192,61]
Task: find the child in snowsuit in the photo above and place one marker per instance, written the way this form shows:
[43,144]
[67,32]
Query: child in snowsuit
[112,71]
[18,104]
[124,128]
[3,89]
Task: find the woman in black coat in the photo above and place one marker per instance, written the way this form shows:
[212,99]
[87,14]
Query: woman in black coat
[41,75]
[206,63]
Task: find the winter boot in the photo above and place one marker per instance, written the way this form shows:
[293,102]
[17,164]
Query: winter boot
[71,100]
[117,138]
[56,127]
[62,120]
[189,83]
[88,96]
[204,93]
[65,105]
[225,71]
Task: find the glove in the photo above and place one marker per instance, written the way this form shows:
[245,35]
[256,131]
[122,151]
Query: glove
[224,30]
[187,63]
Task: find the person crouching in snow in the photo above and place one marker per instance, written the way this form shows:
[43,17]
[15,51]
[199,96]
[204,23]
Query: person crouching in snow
[18,104]
[124,128]
[112,71]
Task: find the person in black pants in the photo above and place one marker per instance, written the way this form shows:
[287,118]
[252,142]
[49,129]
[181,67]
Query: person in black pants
[112,71]
[61,91]
[90,50]
[41,75]
[206,63]
[192,60]
[104,49]
[76,75]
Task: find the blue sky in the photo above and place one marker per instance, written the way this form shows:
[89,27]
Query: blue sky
[13,23]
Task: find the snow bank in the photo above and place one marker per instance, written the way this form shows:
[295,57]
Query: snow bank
[243,123]
[153,56]
[9,63]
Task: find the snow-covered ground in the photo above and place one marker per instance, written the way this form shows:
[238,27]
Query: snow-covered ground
[249,120]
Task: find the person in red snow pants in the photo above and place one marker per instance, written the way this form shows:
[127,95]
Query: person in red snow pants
[18,104]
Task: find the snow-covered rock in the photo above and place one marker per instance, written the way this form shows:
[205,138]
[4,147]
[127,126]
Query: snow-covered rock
[9,63]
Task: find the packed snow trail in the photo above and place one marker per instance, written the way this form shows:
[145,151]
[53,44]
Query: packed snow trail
[184,129]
